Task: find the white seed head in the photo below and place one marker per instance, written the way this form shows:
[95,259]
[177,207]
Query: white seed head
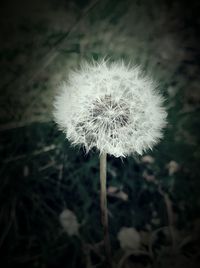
[111,107]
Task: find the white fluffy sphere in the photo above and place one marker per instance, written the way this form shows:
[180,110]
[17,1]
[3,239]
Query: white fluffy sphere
[111,107]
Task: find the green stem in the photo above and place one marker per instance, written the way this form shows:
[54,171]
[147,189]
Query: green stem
[104,211]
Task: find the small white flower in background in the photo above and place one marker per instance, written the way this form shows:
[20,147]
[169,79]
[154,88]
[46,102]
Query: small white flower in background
[69,222]
[147,159]
[129,238]
[111,107]
[172,167]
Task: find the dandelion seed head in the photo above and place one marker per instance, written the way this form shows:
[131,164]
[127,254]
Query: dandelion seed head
[111,107]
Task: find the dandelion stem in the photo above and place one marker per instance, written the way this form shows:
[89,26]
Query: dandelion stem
[104,212]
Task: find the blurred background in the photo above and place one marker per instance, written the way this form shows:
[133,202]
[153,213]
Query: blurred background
[49,191]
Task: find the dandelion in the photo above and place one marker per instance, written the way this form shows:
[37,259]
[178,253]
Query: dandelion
[113,108]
